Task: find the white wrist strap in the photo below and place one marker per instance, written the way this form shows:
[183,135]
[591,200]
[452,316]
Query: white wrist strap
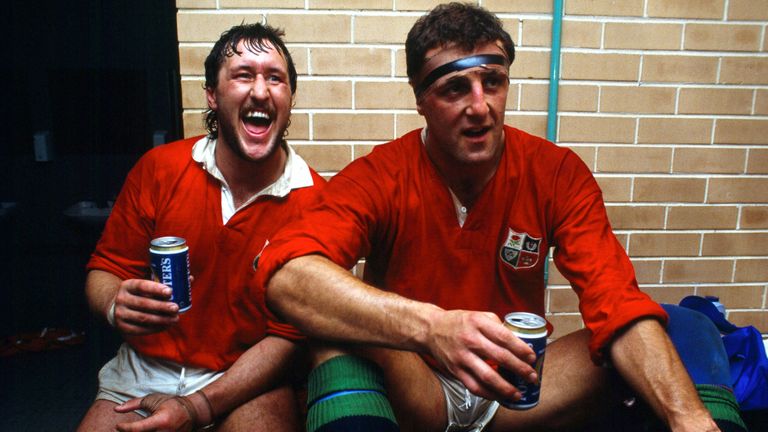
[111,315]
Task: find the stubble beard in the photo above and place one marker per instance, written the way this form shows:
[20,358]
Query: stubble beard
[232,140]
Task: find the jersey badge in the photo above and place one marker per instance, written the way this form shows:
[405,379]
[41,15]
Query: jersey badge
[520,250]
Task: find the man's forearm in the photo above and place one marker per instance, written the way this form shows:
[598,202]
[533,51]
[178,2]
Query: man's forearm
[100,290]
[647,360]
[327,302]
[258,370]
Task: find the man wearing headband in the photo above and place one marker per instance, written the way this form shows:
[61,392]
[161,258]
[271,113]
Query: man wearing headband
[454,221]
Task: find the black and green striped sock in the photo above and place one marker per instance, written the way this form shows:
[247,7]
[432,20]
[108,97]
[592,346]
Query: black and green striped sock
[346,393]
[723,407]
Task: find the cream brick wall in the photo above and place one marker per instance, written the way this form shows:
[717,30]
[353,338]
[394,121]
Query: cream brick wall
[666,101]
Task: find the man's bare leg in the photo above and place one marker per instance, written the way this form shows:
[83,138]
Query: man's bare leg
[276,410]
[574,390]
[101,416]
[413,392]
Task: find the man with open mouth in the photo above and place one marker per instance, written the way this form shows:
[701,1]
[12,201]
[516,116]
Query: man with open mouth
[454,221]
[222,361]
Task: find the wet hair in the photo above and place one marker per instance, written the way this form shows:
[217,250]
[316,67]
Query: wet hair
[256,38]
[456,24]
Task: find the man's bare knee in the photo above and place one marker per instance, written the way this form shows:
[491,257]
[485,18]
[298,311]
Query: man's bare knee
[276,410]
[101,416]
[321,352]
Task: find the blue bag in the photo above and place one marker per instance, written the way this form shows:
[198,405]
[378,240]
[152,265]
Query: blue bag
[746,356]
[749,367]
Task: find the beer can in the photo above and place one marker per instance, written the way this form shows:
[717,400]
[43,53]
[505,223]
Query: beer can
[531,329]
[169,260]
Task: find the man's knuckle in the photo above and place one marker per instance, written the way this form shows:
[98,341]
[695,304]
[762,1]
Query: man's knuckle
[486,375]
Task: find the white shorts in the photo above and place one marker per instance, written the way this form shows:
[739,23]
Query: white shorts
[130,375]
[466,412]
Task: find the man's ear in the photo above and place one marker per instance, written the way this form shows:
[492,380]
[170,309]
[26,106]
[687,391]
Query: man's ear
[211,98]
[418,104]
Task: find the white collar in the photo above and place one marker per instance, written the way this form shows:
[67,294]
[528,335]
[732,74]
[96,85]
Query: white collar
[295,175]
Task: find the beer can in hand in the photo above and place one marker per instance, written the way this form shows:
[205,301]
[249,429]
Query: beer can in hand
[531,329]
[169,259]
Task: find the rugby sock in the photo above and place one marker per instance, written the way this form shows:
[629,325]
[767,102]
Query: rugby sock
[723,406]
[347,393]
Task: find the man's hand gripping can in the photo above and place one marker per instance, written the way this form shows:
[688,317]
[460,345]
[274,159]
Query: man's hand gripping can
[531,329]
[169,259]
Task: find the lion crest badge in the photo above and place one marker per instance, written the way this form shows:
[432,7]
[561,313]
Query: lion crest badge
[520,250]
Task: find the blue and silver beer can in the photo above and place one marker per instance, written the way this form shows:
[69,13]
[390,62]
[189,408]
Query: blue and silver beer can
[531,329]
[169,259]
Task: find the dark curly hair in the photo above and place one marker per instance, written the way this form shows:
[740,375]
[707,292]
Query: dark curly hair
[255,37]
[453,24]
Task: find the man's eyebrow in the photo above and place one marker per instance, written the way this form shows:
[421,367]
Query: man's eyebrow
[493,72]
[462,75]
[250,67]
[460,79]
[240,65]
[482,60]
[453,79]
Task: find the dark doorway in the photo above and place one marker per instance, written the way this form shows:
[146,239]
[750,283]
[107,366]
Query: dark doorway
[92,83]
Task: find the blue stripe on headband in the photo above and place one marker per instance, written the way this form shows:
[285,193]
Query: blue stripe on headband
[457,65]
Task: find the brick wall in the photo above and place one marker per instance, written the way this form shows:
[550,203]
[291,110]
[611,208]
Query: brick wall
[665,100]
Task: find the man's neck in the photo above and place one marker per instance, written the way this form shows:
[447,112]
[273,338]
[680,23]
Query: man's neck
[247,178]
[465,180]
[468,183]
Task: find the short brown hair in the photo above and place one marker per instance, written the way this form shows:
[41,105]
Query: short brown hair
[453,24]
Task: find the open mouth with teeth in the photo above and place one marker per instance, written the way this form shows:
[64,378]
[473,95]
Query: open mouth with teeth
[474,133]
[257,122]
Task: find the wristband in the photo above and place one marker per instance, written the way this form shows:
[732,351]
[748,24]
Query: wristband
[111,314]
[191,411]
[211,413]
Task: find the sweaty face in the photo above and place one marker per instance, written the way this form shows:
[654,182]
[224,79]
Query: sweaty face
[252,102]
[464,109]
